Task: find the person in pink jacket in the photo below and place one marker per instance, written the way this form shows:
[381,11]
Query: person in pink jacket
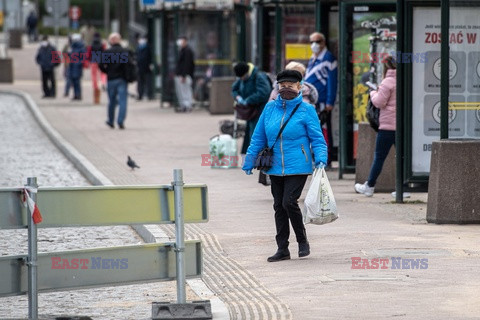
[385,99]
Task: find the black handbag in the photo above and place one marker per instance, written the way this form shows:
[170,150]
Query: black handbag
[264,159]
[373,114]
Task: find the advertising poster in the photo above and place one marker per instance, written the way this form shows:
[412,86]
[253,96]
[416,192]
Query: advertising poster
[464,78]
[374,35]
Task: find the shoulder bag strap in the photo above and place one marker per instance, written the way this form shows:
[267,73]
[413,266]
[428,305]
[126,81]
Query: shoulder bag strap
[283,127]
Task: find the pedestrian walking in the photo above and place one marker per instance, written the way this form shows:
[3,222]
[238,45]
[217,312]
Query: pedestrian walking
[75,68]
[252,88]
[184,75]
[322,73]
[385,99]
[144,63]
[32,22]
[67,48]
[116,81]
[292,157]
[309,93]
[45,59]
[94,56]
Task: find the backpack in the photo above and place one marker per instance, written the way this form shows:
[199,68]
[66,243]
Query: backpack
[373,114]
[131,69]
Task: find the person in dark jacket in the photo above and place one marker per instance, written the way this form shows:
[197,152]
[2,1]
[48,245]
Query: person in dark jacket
[184,75]
[44,58]
[292,157]
[252,88]
[75,68]
[116,82]
[144,64]
[32,22]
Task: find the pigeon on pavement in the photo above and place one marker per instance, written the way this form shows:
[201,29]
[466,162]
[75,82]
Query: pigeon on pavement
[132,163]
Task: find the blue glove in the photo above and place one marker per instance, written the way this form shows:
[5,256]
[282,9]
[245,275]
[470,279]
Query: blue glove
[320,165]
[241,101]
[248,172]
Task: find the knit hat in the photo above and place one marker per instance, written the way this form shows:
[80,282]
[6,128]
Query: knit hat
[240,69]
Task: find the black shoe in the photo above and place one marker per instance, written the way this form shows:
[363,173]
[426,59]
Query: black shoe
[279,256]
[109,124]
[121,126]
[303,249]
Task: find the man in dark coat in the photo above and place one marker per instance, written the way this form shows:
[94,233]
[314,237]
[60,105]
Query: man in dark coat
[32,22]
[144,63]
[116,80]
[47,64]
[184,75]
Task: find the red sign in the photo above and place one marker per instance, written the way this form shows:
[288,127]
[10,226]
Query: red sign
[75,12]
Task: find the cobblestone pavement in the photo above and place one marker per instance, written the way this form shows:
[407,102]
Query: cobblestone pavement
[25,151]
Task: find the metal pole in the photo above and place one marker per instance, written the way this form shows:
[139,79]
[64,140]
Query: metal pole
[179,234]
[56,14]
[318,16]
[278,38]
[342,70]
[444,68]
[400,102]
[32,256]
[106,16]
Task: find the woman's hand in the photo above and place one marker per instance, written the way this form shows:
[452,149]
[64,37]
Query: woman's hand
[320,165]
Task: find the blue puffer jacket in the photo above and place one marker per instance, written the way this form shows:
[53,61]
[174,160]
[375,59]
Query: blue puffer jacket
[293,151]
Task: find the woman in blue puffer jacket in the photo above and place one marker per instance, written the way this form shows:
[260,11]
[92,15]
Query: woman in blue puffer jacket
[292,157]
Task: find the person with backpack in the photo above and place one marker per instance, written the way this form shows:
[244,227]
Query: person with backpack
[251,90]
[385,99]
[45,60]
[117,74]
[94,54]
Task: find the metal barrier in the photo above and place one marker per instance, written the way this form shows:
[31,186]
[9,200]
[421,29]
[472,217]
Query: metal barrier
[101,206]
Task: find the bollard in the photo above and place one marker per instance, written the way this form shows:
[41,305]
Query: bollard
[179,235]
[32,254]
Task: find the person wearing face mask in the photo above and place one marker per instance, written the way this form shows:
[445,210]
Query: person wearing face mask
[292,157]
[184,75]
[322,73]
[144,63]
[309,93]
[47,65]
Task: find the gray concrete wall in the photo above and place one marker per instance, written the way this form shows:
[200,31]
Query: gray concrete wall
[454,182]
[365,153]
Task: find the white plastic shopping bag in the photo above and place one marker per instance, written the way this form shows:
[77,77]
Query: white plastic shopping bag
[320,205]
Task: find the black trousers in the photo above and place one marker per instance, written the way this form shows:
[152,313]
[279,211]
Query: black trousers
[48,83]
[144,85]
[286,190]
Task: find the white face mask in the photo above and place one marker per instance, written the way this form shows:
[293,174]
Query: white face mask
[179,42]
[44,43]
[315,47]
[142,41]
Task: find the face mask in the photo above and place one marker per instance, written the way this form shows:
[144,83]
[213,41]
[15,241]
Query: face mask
[301,83]
[44,43]
[179,42]
[288,93]
[142,42]
[315,47]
